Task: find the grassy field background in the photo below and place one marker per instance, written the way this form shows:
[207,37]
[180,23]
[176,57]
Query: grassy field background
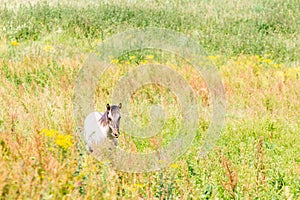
[254,44]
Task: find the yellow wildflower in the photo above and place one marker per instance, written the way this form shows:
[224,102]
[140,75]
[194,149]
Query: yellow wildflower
[212,57]
[133,189]
[136,186]
[132,57]
[178,181]
[114,61]
[174,166]
[257,57]
[143,62]
[64,141]
[276,66]
[49,132]
[267,61]
[14,43]
[149,57]
[48,48]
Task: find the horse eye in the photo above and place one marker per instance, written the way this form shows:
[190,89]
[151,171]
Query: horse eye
[109,119]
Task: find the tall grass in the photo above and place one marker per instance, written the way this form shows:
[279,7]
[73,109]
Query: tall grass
[222,27]
[43,47]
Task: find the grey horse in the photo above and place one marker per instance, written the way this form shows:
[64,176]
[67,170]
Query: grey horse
[100,127]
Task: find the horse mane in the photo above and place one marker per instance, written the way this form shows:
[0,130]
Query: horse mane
[104,119]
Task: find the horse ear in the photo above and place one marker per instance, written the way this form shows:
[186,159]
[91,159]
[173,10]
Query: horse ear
[120,105]
[108,106]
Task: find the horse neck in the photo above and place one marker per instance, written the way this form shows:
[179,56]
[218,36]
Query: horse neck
[105,130]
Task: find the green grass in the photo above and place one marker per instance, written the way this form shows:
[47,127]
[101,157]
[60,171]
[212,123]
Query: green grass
[268,27]
[255,47]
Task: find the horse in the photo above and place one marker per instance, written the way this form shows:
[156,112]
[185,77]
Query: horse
[101,127]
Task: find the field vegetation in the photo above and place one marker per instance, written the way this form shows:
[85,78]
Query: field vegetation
[254,45]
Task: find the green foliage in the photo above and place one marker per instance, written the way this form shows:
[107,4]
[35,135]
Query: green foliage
[265,27]
[43,46]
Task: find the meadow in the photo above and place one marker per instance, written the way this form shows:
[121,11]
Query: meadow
[253,44]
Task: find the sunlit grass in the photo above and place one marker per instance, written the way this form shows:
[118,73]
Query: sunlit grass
[257,155]
[259,104]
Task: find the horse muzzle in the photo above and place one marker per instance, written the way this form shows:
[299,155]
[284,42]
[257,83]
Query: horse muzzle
[116,135]
[115,132]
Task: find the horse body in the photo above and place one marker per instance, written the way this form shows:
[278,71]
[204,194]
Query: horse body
[100,127]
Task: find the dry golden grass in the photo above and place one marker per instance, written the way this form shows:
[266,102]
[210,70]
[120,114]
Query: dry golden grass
[36,97]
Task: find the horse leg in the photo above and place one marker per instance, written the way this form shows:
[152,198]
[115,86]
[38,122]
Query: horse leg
[115,141]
